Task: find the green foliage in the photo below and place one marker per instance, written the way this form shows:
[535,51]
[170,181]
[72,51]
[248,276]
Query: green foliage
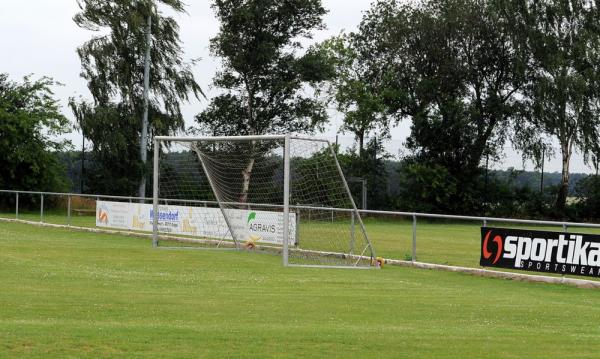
[184,167]
[587,200]
[264,77]
[30,121]
[509,197]
[355,89]
[371,166]
[468,74]
[113,64]
[452,67]
[115,167]
[563,94]
[262,74]
[431,188]
[427,189]
[455,68]
[307,171]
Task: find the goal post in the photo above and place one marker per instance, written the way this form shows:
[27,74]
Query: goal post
[286,201]
[271,193]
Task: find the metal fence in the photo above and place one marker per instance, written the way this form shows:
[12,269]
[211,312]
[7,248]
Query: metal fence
[484,222]
[403,228]
[35,197]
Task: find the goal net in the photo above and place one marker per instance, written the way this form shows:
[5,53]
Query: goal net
[274,194]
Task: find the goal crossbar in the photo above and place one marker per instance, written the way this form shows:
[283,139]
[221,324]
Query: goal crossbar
[237,138]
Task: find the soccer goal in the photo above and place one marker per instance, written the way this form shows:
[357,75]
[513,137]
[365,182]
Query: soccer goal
[273,194]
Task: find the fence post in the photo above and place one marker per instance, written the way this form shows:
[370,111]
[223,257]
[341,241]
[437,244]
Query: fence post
[42,208]
[17,207]
[364,194]
[564,226]
[297,228]
[69,210]
[414,239]
[484,222]
[352,233]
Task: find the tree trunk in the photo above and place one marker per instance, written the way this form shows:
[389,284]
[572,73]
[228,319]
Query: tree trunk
[563,192]
[247,172]
[361,143]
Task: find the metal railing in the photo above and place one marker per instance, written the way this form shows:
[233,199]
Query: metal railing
[69,196]
[412,215]
[484,221]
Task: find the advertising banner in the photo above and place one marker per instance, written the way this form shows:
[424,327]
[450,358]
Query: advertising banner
[541,251]
[259,226]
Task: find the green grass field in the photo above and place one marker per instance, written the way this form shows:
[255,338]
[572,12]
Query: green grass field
[74,294]
[441,242]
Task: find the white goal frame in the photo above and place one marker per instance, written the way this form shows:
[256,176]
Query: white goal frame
[158,140]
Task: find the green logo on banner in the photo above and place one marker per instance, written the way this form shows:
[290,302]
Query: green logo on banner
[251,216]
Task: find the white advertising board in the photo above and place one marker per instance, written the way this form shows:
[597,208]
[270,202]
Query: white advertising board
[260,226]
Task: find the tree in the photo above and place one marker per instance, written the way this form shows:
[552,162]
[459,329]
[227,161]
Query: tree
[263,77]
[427,188]
[113,64]
[113,166]
[354,89]
[564,39]
[370,166]
[455,68]
[587,191]
[30,121]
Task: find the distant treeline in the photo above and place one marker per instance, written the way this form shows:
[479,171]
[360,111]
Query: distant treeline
[508,192]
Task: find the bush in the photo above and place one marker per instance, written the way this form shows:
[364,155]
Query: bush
[427,188]
[586,204]
[30,122]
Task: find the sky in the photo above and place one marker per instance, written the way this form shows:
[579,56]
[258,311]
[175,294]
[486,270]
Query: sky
[38,37]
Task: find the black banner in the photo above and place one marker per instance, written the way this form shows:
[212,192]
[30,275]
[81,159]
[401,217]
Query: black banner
[541,251]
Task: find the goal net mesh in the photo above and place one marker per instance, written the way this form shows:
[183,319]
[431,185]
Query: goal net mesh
[230,194]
